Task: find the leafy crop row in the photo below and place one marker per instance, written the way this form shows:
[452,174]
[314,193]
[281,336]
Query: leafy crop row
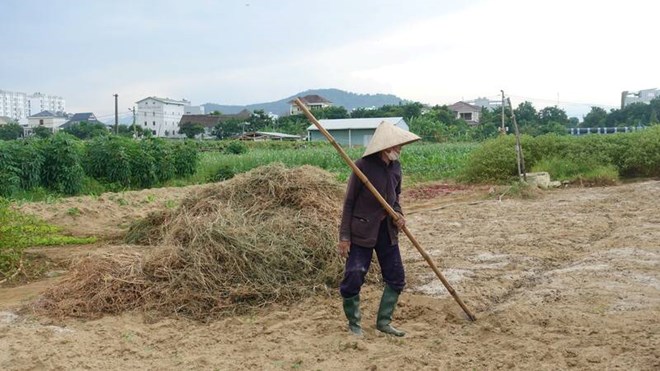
[64,164]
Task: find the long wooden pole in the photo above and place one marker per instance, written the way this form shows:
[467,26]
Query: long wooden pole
[385,205]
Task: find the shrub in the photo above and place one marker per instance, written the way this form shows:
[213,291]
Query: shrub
[642,156]
[604,157]
[143,164]
[163,156]
[107,160]
[62,171]
[493,162]
[10,180]
[223,173]
[236,148]
[186,159]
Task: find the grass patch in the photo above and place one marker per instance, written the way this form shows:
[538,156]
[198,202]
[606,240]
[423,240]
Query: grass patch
[18,232]
[583,171]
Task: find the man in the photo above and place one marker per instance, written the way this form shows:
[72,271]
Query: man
[366,226]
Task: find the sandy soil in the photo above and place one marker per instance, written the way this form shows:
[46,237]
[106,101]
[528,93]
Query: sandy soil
[568,280]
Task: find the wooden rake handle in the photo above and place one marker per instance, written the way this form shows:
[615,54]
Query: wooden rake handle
[384,203]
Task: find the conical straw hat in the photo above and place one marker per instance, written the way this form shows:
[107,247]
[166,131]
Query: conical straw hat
[387,136]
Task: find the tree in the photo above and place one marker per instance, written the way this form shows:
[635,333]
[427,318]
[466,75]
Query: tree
[292,124]
[597,117]
[332,112]
[407,111]
[553,114]
[229,128]
[526,114]
[42,132]
[130,131]
[260,120]
[85,130]
[11,131]
[190,129]
[553,127]
[442,114]
[427,128]
[484,130]
[216,113]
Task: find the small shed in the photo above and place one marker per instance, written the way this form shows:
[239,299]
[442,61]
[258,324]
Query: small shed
[353,132]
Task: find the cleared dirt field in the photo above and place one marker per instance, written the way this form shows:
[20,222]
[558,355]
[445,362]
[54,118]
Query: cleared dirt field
[570,279]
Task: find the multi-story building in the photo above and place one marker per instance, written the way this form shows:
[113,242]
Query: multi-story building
[642,96]
[468,112]
[311,101]
[39,102]
[19,106]
[161,115]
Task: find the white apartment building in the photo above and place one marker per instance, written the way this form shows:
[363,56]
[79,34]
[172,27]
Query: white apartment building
[19,106]
[161,115]
[39,102]
[642,96]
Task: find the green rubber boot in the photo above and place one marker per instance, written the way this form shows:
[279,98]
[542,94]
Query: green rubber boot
[352,311]
[387,305]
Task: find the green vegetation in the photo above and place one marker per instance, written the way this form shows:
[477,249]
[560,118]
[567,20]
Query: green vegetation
[18,232]
[595,159]
[63,164]
[11,131]
[421,162]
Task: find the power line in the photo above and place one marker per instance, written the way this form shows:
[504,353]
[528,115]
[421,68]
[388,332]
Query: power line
[563,102]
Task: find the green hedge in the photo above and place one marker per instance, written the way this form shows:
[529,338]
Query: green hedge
[631,154]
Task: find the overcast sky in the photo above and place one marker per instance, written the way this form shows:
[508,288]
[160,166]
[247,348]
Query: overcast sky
[252,51]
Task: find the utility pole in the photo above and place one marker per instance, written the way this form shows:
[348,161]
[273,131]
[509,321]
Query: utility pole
[502,129]
[520,159]
[134,127]
[116,116]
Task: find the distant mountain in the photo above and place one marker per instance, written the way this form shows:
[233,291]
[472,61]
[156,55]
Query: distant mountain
[338,97]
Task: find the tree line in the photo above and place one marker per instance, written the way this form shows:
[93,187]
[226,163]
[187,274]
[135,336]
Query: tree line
[435,123]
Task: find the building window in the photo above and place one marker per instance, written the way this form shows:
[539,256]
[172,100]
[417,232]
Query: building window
[145,123]
[154,124]
[467,116]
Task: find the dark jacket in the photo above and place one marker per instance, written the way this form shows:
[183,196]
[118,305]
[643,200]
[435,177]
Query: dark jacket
[362,212]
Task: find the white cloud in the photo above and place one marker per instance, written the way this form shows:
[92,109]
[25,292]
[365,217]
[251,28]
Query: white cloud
[585,51]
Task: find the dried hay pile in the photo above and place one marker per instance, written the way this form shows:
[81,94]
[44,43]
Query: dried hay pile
[267,235]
